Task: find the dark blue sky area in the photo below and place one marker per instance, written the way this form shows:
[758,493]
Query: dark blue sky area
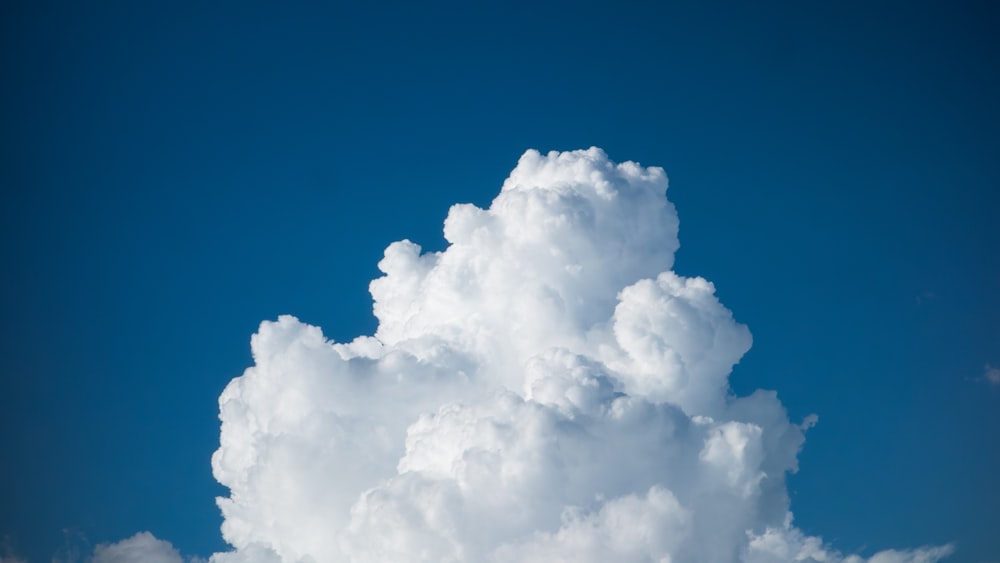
[174,174]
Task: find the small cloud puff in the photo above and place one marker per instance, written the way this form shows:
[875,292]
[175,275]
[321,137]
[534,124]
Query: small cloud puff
[140,548]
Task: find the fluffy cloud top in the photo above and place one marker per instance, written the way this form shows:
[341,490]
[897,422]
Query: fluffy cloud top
[545,389]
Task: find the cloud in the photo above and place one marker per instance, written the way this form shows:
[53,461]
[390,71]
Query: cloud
[545,389]
[777,545]
[991,375]
[7,552]
[142,547]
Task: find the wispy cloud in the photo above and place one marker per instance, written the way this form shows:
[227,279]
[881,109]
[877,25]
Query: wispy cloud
[991,375]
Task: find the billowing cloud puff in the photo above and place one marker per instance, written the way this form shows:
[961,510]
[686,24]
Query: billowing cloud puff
[545,389]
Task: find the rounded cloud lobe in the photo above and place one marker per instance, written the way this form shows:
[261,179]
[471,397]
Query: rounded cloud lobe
[545,389]
[140,547]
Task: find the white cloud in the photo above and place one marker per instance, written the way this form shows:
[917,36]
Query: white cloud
[545,389]
[140,548]
[778,545]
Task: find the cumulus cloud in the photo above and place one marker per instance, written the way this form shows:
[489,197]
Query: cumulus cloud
[545,389]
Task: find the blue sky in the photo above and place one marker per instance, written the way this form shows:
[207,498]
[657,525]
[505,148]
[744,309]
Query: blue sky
[174,174]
